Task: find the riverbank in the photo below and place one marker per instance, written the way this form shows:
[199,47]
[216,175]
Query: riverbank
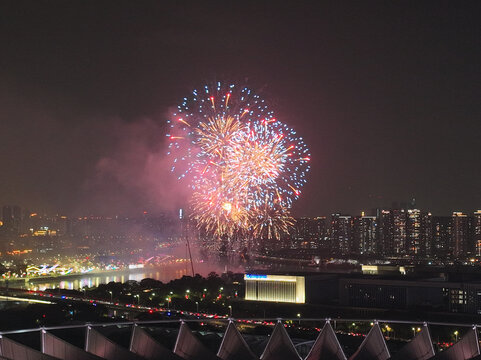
[164,273]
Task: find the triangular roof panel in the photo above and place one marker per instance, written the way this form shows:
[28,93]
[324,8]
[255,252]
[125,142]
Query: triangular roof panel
[54,346]
[419,348]
[102,346]
[234,347]
[327,346]
[14,350]
[144,345]
[189,347]
[466,348]
[373,347]
[280,346]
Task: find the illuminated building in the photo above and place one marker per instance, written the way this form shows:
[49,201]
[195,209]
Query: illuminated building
[300,236]
[383,270]
[427,234]
[413,232]
[399,232]
[319,229]
[406,294]
[441,235]
[364,235]
[459,235]
[310,233]
[404,233]
[341,234]
[477,232]
[44,231]
[385,233]
[61,224]
[278,288]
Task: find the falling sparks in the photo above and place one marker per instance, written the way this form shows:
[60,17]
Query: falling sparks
[246,166]
[184,122]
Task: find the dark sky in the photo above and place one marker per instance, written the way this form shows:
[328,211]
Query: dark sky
[386,94]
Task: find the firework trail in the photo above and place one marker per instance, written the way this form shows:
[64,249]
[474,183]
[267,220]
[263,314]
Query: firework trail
[246,168]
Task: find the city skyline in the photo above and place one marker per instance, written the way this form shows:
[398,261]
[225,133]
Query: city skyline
[185,211]
[26,210]
[402,233]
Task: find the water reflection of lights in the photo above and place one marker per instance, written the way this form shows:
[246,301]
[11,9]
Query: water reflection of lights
[164,274]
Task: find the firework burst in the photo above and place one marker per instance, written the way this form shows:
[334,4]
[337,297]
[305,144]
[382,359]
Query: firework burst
[246,168]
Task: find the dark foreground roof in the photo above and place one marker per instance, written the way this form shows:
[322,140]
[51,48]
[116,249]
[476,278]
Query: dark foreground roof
[234,346]
[145,345]
[326,346]
[373,346]
[419,348]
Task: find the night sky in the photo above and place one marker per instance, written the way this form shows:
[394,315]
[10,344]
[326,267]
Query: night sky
[387,94]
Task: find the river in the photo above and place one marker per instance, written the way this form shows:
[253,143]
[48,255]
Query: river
[162,273]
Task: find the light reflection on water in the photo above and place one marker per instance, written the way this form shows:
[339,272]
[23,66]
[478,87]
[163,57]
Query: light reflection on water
[164,274]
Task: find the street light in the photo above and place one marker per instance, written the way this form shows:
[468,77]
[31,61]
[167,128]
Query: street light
[111,297]
[299,317]
[230,310]
[197,305]
[138,299]
[388,329]
[456,333]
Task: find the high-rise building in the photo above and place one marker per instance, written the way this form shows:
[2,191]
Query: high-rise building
[441,236]
[399,241]
[355,246]
[413,233]
[7,217]
[427,234]
[459,235]
[341,234]
[385,233]
[300,236]
[11,217]
[364,235]
[310,233]
[419,233]
[320,229]
[477,232]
